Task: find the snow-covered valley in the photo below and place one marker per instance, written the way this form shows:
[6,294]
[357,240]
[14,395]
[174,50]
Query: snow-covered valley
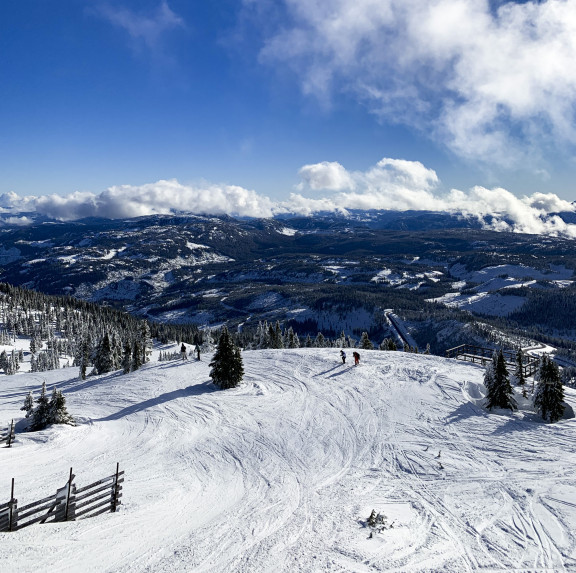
[282,473]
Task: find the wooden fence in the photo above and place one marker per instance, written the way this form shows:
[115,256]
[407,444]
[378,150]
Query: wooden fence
[68,504]
[8,435]
[471,353]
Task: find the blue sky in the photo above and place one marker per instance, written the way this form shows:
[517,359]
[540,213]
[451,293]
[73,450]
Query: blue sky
[251,94]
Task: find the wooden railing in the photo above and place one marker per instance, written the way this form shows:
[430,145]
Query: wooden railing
[69,503]
[8,435]
[481,354]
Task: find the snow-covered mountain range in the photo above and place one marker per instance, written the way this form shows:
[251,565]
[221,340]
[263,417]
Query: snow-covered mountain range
[328,273]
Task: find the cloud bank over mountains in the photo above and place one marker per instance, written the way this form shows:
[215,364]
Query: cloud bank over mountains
[391,184]
[494,82]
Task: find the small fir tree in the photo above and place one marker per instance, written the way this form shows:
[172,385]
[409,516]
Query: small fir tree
[499,392]
[227,369]
[103,359]
[549,394]
[365,342]
[127,358]
[58,414]
[519,377]
[84,358]
[28,406]
[136,355]
[41,414]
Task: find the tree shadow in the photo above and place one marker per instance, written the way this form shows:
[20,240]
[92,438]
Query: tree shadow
[197,390]
[463,412]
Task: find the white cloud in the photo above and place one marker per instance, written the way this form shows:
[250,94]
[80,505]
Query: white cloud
[162,197]
[143,28]
[391,184]
[497,85]
[326,175]
[408,185]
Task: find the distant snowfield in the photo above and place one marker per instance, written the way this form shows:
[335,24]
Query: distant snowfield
[282,473]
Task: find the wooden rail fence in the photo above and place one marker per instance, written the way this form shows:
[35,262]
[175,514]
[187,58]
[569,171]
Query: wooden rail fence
[471,353]
[68,504]
[8,435]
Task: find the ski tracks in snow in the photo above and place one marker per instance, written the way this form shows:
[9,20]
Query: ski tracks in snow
[281,473]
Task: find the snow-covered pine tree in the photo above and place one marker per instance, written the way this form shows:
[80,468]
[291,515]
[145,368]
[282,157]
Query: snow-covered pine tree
[384,344]
[41,414]
[227,368]
[263,335]
[127,358]
[84,358]
[136,355]
[489,374]
[278,336]
[549,394]
[519,377]
[308,342]
[499,392]
[145,342]
[365,342]
[320,341]
[58,414]
[292,339]
[28,406]
[103,359]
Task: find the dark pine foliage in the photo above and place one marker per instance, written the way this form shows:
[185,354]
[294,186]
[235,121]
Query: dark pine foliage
[499,390]
[227,369]
[549,395]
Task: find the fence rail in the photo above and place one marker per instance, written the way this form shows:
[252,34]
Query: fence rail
[96,498]
[481,354]
[8,435]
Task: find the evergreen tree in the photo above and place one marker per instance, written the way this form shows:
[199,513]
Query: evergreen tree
[292,339]
[320,341]
[278,336]
[103,359]
[84,358]
[136,355]
[227,369]
[28,406]
[41,414]
[519,372]
[549,394]
[365,342]
[145,343]
[500,393]
[127,358]
[58,414]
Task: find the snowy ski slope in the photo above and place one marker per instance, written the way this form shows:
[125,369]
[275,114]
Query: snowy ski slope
[281,474]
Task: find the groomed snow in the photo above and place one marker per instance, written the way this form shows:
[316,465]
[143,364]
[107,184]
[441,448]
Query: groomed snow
[281,473]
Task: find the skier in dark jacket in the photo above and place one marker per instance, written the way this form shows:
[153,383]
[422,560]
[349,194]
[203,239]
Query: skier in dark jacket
[356,358]
[183,352]
[343,356]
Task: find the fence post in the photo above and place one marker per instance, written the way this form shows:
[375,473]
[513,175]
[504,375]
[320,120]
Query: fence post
[12,516]
[68,495]
[116,488]
[11,435]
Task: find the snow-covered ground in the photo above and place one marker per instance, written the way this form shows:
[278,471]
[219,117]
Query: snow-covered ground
[282,473]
